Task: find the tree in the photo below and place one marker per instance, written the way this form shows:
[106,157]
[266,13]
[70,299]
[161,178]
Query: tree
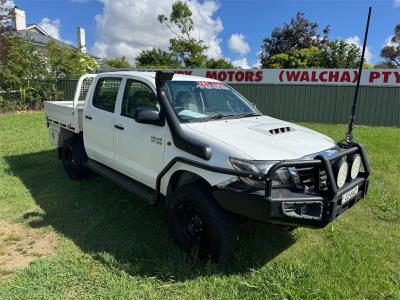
[24,72]
[391,53]
[22,65]
[157,58]
[300,33]
[382,65]
[340,54]
[4,46]
[67,63]
[29,73]
[5,16]
[117,63]
[334,54]
[5,12]
[187,49]
[299,58]
[220,63]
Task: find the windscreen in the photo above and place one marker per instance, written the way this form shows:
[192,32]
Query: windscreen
[203,100]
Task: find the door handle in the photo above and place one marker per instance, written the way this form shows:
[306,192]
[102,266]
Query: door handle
[119,127]
[88,117]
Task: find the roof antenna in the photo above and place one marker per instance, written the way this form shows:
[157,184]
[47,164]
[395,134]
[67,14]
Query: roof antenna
[349,135]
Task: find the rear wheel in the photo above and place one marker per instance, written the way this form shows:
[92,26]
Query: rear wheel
[73,157]
[199,225]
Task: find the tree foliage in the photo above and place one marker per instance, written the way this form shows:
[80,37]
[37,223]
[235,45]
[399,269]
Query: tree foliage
[156,58]
[299,44]
[184,49]
[4,45]
[22,65]
[340,54]
[117,63]
[29,74]
[220,63]
[67,63]
[184,46]
[334,54]
[5,16]
[299,58]
[24,75]
[300,33]
[5,13]
[391,53]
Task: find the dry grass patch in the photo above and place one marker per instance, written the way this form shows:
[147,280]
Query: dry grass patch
[19,246]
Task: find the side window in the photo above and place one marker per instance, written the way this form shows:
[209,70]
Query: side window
[105,94]
[137,95]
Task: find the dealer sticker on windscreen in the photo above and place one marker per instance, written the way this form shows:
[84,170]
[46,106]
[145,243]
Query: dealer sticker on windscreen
[209,85]
[349,195]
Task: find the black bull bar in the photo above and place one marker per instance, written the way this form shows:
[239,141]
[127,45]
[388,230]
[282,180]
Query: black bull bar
[297,207]
[320,161]
[317,208]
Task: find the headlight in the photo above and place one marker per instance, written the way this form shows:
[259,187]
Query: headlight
[281,176]
[355,162]
[343,170]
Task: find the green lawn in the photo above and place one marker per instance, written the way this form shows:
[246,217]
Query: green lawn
[110,245]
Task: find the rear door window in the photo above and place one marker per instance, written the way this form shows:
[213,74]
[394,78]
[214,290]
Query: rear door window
[105,94]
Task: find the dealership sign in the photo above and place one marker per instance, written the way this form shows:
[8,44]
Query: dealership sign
[381,77]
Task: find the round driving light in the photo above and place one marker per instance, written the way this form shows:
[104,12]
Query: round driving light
[355,166]
[342,173]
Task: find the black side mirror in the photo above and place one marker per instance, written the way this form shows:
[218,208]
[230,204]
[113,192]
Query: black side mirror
[147,115]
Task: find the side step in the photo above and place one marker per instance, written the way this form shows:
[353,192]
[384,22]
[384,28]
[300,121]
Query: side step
[131,185]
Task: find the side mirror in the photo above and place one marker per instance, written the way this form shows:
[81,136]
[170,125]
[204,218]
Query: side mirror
[147,115]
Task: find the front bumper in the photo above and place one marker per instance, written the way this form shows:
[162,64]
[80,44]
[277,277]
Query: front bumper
[289,207]
[293,206]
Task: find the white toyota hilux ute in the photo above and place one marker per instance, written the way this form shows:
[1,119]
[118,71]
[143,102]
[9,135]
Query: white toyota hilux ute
[205,151]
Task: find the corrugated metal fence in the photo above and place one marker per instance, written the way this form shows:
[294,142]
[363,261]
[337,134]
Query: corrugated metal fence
[325,104]
[68,87]
[378,106]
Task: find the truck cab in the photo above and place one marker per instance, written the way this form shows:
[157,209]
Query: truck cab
[207,152]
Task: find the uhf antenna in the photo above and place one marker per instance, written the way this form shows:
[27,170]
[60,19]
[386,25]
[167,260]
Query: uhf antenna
[349,135]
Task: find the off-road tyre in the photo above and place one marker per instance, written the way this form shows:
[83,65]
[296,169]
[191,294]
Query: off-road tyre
[74,156]
[199,225]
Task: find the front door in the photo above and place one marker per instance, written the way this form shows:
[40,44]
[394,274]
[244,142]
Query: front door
[138,148]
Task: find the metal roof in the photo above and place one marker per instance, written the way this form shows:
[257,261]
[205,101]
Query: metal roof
[33,36]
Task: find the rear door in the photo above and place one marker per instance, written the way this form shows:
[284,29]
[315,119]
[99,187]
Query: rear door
[139,148]
[99,120]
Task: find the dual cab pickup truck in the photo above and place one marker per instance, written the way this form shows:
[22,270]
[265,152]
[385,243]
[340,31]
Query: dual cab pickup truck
[205,151]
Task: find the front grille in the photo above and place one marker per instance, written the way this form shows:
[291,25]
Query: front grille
[313,179]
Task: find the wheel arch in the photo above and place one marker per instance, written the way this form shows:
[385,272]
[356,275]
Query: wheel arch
[182,177]
[63,136]
[170,179]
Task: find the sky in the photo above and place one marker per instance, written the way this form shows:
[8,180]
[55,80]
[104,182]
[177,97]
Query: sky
[233,29]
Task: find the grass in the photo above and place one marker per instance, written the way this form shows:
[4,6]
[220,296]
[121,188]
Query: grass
[113,246]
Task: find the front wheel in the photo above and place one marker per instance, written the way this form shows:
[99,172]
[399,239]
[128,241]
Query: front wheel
[199,225]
